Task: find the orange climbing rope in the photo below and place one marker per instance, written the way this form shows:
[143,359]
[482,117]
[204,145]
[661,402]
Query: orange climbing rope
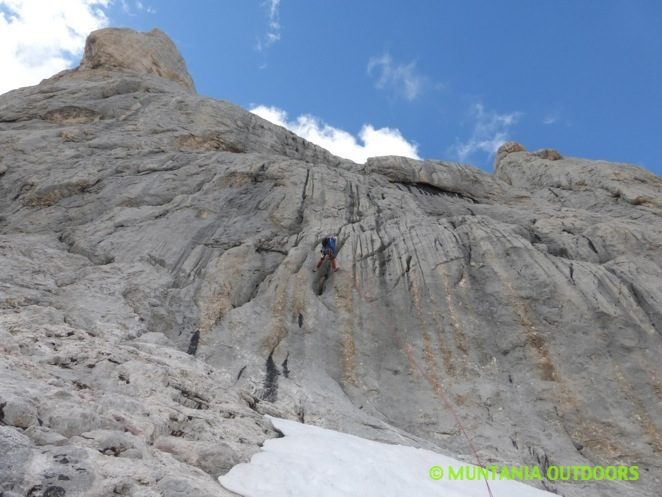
[436,387]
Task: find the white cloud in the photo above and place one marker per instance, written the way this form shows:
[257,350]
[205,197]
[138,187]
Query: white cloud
[490,131]
[145,8]
[40,38]
[402,79]
[273,32]
[139,6]
[552,118]
[370,142]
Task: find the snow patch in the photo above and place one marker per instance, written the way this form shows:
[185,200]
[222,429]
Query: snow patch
[314,462]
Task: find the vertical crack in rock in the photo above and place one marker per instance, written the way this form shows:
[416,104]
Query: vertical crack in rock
[358,204]
[467,252]
[352,211]
[349,206]
[408,262]
[543,463]
[241,371]
[286,371]
[193,344]
[270,388]
[302,206]
[590,244]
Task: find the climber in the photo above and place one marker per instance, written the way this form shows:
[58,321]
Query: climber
[328,250]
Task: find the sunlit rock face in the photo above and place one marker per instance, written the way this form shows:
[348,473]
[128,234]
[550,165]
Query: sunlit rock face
[157,294]
[114,49]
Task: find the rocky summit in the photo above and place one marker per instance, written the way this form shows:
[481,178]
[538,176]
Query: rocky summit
[157,297]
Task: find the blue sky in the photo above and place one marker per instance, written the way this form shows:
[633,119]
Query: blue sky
[440,79]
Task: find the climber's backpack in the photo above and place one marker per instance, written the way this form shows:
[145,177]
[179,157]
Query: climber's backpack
[331,243]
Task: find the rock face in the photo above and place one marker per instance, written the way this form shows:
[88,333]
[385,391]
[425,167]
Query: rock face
[156,293]
[508,148]
[114,49]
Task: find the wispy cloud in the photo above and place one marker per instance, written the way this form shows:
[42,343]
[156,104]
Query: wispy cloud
[39,39]
[402,79]
[140,7]
[274,28]
[490,131]
[145,8]
[370,142]
[551,118]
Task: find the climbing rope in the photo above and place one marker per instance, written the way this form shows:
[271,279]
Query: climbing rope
[436,387]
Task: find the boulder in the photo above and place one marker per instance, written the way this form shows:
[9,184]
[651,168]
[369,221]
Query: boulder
[505,149]
[114,49]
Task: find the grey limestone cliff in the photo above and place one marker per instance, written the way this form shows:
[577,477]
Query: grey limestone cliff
[157,294]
